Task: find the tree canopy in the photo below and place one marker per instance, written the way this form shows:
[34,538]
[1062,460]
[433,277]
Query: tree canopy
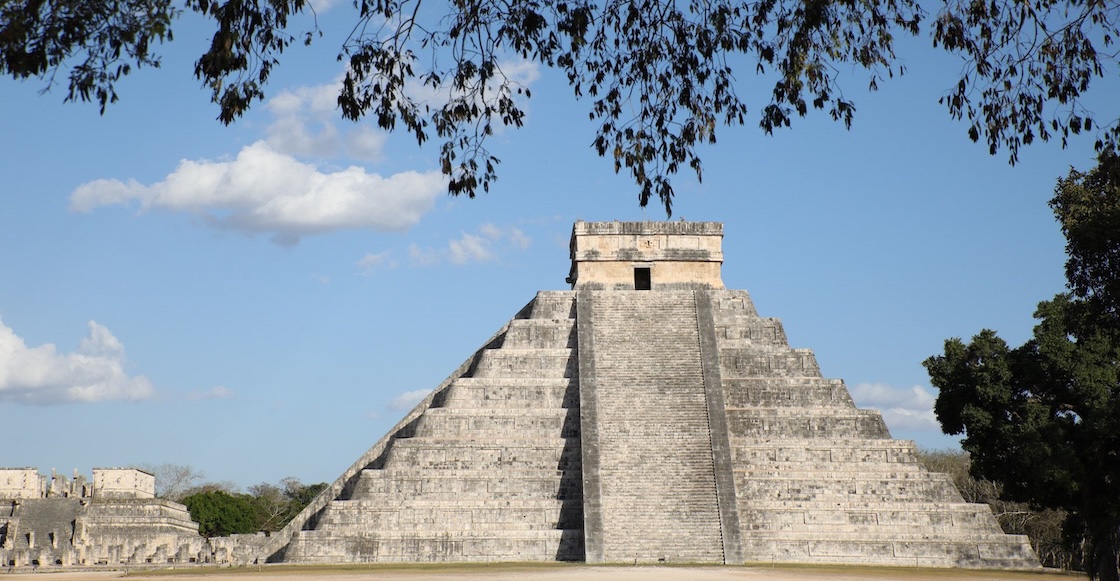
[1044,418]
[1088,207]
[222,511]
[659,76]
[221,514]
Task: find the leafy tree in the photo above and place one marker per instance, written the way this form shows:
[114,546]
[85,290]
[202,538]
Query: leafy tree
[220,514]
[1088,207]
[300,495]
[269,505]
[276,505]
[1043,419]
[659,75]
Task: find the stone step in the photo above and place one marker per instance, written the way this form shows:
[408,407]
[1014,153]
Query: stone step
[430,546]
[490,453]
[799,392]
[750,362]
[787,468]
[799,454]
[530,363]
[558,305]
[844,477]
[979,551]
[499,485]
[839,471]
[943,517]
[890,536]
[805,423]
[919,486]
[540,334]
[455,514]
[527,382]
[825,450]
[743,332]
[496,398]
[865,505]
[492,392]
[514,424]
[732,303]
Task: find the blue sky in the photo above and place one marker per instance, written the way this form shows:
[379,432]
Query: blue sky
[267,299]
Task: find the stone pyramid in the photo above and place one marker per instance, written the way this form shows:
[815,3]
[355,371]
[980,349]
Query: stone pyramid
[647,415]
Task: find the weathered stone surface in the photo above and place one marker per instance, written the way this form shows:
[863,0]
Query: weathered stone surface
[820,481]
[655,470]
[115,521]
[672,254]
[488,469]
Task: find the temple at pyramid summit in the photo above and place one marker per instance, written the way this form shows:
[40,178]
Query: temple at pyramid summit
[646,415]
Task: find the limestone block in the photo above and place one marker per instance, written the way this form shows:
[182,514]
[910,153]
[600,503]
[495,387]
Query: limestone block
[19,483]
[513,424]
[801,392]
[123,483]
[806,423]
[529,363]
[538,334]
[556,305]
[736,363]
[504,392]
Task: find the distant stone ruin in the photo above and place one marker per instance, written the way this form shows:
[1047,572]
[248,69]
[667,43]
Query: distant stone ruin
[115,520]
[647,415]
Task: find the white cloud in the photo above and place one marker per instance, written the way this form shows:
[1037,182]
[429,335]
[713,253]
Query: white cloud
[269,187]
[216,392]
[322,6]
[407,400]
[42,376]
[306,123]
[522,71]
[370,262]
[519,239]
[482,247]
[265,191]
[420,257]
[902,408]
[469,248]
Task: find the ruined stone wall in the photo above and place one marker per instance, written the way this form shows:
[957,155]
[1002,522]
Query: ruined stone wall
[21,483]
[123,483]
[116,521]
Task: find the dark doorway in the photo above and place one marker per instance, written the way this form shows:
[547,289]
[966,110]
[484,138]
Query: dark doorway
[641,279]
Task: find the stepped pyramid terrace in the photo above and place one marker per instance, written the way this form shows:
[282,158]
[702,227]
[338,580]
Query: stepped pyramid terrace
[646,415]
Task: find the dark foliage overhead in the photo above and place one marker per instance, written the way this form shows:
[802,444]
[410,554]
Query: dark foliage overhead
[660,77]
